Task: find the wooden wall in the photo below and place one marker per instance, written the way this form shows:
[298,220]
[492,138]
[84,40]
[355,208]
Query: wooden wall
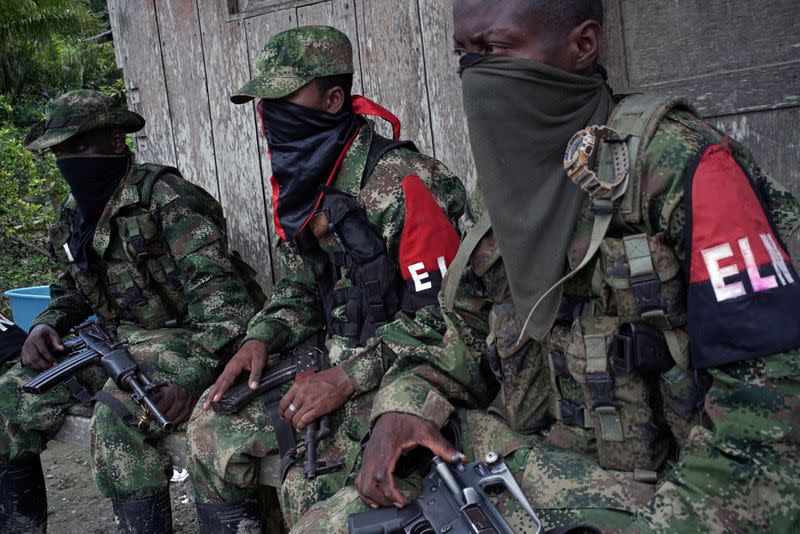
[183,58]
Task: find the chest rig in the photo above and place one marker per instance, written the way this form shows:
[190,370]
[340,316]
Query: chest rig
[618,353]
[136,280]
[359,284]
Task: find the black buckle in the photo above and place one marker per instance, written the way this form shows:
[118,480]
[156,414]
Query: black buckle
[646,289]
[572,414]
[640,347]
[560,364]
[601,389]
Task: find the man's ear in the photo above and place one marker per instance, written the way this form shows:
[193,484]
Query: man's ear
[118,141]
[584,43]
[333,100]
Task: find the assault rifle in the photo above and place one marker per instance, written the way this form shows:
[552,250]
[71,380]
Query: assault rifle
[305,360]
[93,344]
[454,500]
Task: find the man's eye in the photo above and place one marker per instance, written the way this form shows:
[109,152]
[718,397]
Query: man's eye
[459,52]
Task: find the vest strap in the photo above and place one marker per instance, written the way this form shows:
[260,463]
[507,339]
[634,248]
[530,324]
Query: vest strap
[459,264]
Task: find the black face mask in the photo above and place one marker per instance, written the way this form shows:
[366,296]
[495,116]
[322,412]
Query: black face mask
[305,146]
[92,180]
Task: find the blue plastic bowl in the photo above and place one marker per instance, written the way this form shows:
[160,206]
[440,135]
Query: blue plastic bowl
[27,303]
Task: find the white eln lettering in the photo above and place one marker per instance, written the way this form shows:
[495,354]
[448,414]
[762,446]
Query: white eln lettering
[5,322]
[717,274]
[442,265]
[775,256]
[418,274]
[758,283]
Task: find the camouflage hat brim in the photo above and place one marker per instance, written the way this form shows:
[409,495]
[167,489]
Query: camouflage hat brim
[269,87]
[43,136]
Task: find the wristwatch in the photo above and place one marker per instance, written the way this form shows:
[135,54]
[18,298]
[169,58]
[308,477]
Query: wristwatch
[580,161]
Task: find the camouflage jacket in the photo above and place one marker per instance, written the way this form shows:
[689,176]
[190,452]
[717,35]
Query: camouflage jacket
[164,273]
[468,358]
[294,311]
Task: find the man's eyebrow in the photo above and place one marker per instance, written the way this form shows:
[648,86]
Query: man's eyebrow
[487,34]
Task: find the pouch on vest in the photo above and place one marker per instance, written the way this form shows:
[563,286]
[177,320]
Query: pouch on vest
[354,312]
[620,408]
[743,288]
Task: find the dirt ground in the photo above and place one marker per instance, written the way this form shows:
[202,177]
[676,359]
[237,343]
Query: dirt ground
[75,506]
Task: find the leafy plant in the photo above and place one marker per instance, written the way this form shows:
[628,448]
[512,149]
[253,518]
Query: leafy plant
[42,55]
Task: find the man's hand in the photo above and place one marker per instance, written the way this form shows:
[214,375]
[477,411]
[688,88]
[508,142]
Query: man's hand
[392,435]
[252,356]
[174,402]
[318,395]
[41,348]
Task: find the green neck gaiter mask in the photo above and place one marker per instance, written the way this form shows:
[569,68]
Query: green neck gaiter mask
[521,116]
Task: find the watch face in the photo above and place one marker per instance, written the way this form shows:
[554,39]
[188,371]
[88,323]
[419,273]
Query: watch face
[581,143]
[573,149]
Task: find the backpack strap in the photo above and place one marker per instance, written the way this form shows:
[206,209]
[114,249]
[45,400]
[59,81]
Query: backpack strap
[378,149]
[615,151]
[146,176]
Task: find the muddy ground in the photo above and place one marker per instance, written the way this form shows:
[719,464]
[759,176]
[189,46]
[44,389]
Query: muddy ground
[75,506]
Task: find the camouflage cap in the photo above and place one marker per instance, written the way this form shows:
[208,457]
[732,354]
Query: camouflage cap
[293,58]
[79,112]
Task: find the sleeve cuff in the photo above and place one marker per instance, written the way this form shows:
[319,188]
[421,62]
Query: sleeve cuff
[415,398]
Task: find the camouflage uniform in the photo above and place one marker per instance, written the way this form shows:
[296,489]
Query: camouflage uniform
[167,284]
[225,450]
[734,465]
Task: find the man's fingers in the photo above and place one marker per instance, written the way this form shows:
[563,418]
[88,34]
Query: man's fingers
[55,341]
[438,445]
[43,349]
[286,400]
[256,367]
[306,417]
[222,385]
[385,491]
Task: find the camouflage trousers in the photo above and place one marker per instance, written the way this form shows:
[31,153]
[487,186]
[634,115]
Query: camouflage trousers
[127,464]
[742,474]
[225,454]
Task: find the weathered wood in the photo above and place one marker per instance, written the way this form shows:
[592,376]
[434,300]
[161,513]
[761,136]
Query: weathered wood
[182,49]
[341,14]
[138,53]
[392,64]
[243,9]
[757,89]
[448,122]
[772,137]
[614,57]
[713,51]
[234,135]
[258,31]
[688,38]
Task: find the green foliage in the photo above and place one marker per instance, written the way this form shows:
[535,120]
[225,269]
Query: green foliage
[42,55]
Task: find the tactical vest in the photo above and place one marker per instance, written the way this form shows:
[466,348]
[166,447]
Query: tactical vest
[359,285]
[621,382]
[136,282]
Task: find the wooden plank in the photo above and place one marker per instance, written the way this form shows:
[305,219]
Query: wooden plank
[613,56]
[244,9]
[182,50]
[771,136]
[448,121]
[683,38]
[258,31]
[138,54]
[392,64]
[341,14]
[756,89]
[235,139]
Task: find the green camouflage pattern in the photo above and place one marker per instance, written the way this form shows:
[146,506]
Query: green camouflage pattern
[225,450]
[735,468]
[293,58]
[79,112]
[188,310]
